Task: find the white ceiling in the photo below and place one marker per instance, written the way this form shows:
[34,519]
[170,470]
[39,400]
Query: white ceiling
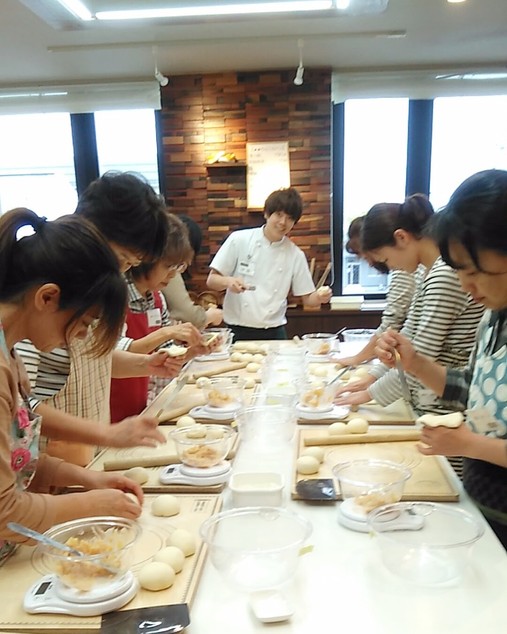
[439,35]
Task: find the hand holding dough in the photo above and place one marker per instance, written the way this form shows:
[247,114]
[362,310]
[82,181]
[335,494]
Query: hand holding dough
[443,420]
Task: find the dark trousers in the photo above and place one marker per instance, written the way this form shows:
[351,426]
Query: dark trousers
[242,333]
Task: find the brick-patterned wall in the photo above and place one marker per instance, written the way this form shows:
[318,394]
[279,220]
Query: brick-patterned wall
[203,114]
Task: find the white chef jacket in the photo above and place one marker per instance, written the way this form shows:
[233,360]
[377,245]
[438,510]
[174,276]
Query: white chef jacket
[274,268]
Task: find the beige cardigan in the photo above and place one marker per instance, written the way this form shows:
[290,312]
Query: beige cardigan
[180,306]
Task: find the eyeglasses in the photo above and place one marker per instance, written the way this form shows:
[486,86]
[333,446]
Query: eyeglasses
[178,268]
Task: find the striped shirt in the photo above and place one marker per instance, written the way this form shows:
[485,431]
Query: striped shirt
[399,296]
[441,323]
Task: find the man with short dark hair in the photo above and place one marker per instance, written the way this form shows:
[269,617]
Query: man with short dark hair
[259,267]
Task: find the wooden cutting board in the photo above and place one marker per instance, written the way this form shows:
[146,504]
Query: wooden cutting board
[429,481]
[114,459]
[395,414]
[25,567]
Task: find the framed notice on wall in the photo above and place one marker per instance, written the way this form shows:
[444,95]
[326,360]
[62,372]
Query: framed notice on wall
[268,169]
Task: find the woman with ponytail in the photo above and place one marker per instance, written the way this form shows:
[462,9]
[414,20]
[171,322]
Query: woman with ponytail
[54,284]
[442,319]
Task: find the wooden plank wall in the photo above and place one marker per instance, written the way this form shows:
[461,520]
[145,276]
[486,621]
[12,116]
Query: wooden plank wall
[203,114]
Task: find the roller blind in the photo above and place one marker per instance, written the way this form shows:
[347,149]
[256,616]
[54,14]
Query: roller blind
[80,97]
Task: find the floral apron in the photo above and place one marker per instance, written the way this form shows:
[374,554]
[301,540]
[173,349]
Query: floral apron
[24,446]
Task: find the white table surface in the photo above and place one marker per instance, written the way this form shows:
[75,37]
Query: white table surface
[342,585]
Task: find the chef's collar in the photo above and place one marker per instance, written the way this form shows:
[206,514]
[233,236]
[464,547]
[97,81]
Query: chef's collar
[276,244]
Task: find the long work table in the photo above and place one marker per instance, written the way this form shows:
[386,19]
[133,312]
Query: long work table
[341,584]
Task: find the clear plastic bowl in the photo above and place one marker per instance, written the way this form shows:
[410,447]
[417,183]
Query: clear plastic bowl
[358,334]
[225,337]
[371,483]
[256,548]
[267,425]
[318,395]
[202,446]
[435,551]
[224,392]
[104,540]
[319,343]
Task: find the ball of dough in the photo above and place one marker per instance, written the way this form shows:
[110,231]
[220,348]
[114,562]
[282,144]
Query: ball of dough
[138,474]
[335,429]
[185,421]
[172,556]
[323,290]
[250,346]
[307,465]
[357,425]
[196,431]
[156,576]
[176,351]
[202,381]
[133,497]
[214,433]
[316,452]
[252,367]
[258,358]
[182,539]
[236,357]
[247,357]
[250,382]
[165,506]
[319,371]
[361,373]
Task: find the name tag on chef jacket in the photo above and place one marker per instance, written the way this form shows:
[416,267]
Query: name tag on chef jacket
[482,420]
[154,317]
[246,268]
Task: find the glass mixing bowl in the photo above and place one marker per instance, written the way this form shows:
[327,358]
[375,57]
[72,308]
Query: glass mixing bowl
[202,446]
[319,343]
[224,392]
[256,548]
[107,546]
[425,543]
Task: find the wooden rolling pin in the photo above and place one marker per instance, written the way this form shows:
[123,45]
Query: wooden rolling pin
[171,414]
[120,464]
[230,367]
[351,439]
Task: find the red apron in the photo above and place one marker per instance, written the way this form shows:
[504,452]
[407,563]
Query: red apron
[129,396]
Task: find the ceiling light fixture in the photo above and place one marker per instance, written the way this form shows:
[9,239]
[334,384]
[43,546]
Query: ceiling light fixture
[224,9]
[77,8]
[298,79]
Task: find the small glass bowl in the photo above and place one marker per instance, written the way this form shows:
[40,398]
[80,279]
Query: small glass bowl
[224,392]
[202,446]
[224,337]
[371,483]
[106,541]
[319,344]
[318,395]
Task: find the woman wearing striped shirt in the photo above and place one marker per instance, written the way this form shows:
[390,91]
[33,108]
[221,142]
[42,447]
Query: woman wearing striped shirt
[442,319]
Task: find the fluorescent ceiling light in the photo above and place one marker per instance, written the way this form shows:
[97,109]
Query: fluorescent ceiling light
[77,8]
[224,9]
[475,76]
[24,95]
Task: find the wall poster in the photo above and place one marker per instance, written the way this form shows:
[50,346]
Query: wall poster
[268,169]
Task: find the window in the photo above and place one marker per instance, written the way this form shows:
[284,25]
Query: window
[126,141]
[37,164]
[469,135]
[375,161]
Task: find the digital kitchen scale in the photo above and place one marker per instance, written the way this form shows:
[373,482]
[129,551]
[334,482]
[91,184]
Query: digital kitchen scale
[352,516]
[49,595]
[196,476]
